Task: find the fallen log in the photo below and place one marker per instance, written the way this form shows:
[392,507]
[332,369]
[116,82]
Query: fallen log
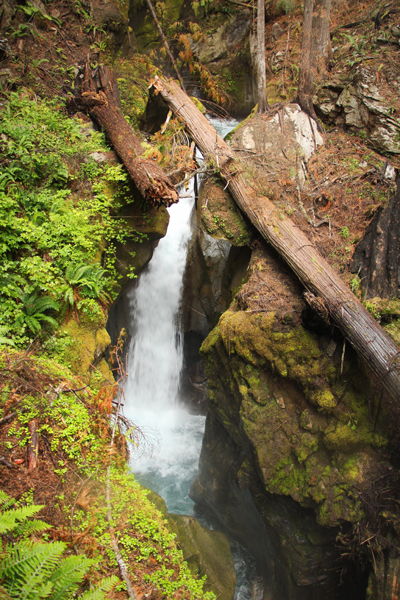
[99,95]
[367,337]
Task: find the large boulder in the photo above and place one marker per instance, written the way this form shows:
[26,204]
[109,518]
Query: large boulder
[297,409]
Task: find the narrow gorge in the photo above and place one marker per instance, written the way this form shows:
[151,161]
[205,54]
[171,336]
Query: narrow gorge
[199,355]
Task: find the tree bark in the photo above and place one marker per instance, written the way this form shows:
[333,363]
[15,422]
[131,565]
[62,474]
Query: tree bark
[99,96]
[315,50]
[321,39]
[261,77]
[367,337]
[305,89]
[377,257]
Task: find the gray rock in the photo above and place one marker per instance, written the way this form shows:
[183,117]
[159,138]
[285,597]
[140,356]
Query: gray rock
[277,31]
[363,105]
[224,40]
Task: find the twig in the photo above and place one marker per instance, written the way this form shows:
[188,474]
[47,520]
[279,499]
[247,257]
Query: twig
[8,418]
[188,177]
[280,425]
[342,361]
[4,461]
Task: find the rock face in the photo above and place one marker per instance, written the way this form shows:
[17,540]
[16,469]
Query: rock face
[225,39]
[207,552]
[299,445]
[286,140]
[214,271]
[364,105]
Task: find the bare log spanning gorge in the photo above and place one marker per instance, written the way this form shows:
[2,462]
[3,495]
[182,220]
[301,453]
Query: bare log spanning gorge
[99,96]
[367,337]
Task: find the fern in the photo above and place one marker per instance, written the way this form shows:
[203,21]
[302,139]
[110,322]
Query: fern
[37,570]
[27,568]
[9,519]
[97,593]
[68,575]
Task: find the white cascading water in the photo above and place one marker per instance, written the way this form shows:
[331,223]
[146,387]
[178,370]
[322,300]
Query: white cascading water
[155,363]
[152,389]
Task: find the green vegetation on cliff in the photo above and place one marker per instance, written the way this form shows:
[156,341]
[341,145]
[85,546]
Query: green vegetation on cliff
[78,469]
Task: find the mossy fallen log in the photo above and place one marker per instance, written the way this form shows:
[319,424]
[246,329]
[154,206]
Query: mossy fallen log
[331,294]
[98,94]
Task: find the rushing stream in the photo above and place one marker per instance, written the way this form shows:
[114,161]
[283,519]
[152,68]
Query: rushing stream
[152,389]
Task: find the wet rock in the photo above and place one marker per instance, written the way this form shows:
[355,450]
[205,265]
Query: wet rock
[293,554]
[206,552]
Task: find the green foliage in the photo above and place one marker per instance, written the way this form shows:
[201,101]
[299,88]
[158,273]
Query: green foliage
[142,532]
[36,570]
[50,236]
[287,6]
[344,232]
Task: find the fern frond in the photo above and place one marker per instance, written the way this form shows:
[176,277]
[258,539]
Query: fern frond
[3,594]
[35,526]
[45,303]
[28,566]
[9,519]
[46,319]
[68,575]
[98,592]
[4,498]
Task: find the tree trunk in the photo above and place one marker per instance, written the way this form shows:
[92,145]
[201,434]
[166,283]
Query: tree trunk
[305,89]
[315,50]
[321,39]
[99,96]
[261,77]
[367,337]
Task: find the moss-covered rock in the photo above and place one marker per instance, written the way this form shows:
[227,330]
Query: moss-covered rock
[87,349]
[280,395]
[220,215]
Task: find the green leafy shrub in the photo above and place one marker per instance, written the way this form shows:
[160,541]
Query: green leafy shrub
[57,208]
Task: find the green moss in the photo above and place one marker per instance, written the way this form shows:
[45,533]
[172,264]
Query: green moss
[88,346]
[325,400]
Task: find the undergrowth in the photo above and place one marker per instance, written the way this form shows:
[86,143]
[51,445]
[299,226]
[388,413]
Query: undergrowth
[70,487]
[57,209]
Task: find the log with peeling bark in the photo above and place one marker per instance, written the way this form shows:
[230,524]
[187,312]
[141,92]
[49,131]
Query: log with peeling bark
[367,337]
[99,96]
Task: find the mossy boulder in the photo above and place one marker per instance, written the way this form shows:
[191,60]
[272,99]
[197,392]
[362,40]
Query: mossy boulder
[86,350]
[220,215]
[279,393]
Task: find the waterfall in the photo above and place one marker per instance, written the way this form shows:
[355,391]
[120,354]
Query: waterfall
[154,367]
[155,362]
